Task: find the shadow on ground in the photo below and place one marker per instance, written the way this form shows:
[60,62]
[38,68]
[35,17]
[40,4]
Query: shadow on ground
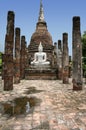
[33,90]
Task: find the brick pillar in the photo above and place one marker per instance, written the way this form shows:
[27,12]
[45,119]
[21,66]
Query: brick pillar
[22,57]
[2,66]
[55,55]
[77,54]
[8,56]
[59,60]
[70,66]
[8,72]
[26,55]
[59,45]
[9,39]
[65,59]
[17,56]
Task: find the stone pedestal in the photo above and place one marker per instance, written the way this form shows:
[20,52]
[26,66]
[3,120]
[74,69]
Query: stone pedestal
[43,72]
[77,55]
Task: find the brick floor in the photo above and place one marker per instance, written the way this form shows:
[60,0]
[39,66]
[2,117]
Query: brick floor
[60,107]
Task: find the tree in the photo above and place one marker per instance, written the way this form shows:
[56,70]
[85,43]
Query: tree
[0,61]
[84,52]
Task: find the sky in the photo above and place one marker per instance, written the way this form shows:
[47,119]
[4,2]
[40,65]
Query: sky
[58,15]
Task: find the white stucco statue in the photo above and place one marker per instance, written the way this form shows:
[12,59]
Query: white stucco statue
[40,57]
[27,107]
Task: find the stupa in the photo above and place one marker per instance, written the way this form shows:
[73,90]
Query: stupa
[41,35]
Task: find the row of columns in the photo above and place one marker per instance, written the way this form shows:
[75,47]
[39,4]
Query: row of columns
[15,68]
[13,59]
[63,57]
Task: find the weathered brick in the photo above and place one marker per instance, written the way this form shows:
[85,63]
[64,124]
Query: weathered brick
[8,56]
[17,56]
[65,59]
[77,54]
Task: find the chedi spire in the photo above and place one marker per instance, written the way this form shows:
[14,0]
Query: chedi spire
[41,13]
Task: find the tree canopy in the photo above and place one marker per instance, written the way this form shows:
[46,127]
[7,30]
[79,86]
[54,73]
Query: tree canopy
[84,51]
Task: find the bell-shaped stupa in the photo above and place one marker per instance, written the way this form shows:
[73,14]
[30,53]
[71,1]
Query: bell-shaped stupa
[46,69]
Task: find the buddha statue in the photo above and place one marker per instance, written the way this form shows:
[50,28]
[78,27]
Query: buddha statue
[40,57]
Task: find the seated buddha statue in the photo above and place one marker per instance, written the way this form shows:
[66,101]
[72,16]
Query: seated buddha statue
[40,57]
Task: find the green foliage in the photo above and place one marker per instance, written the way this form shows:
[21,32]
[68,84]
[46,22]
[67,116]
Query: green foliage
[84,51]
[0,62]
[84,44]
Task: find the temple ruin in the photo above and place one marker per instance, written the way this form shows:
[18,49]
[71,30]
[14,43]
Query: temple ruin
[41,59]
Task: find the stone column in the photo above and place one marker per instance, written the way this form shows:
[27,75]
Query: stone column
[26,55]
[55,54]
[17,56]
[59,45]
[70,66]
[8,72]
[65,59]
[9,39]
[59,60]
[77,54]
[22,57]
[8,57]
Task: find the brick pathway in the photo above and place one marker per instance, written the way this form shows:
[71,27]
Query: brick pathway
[60,108]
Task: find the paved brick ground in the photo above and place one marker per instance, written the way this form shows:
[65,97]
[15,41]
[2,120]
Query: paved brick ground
[60,107]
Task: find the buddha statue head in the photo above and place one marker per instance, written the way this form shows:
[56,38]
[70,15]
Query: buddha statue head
[40,48]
